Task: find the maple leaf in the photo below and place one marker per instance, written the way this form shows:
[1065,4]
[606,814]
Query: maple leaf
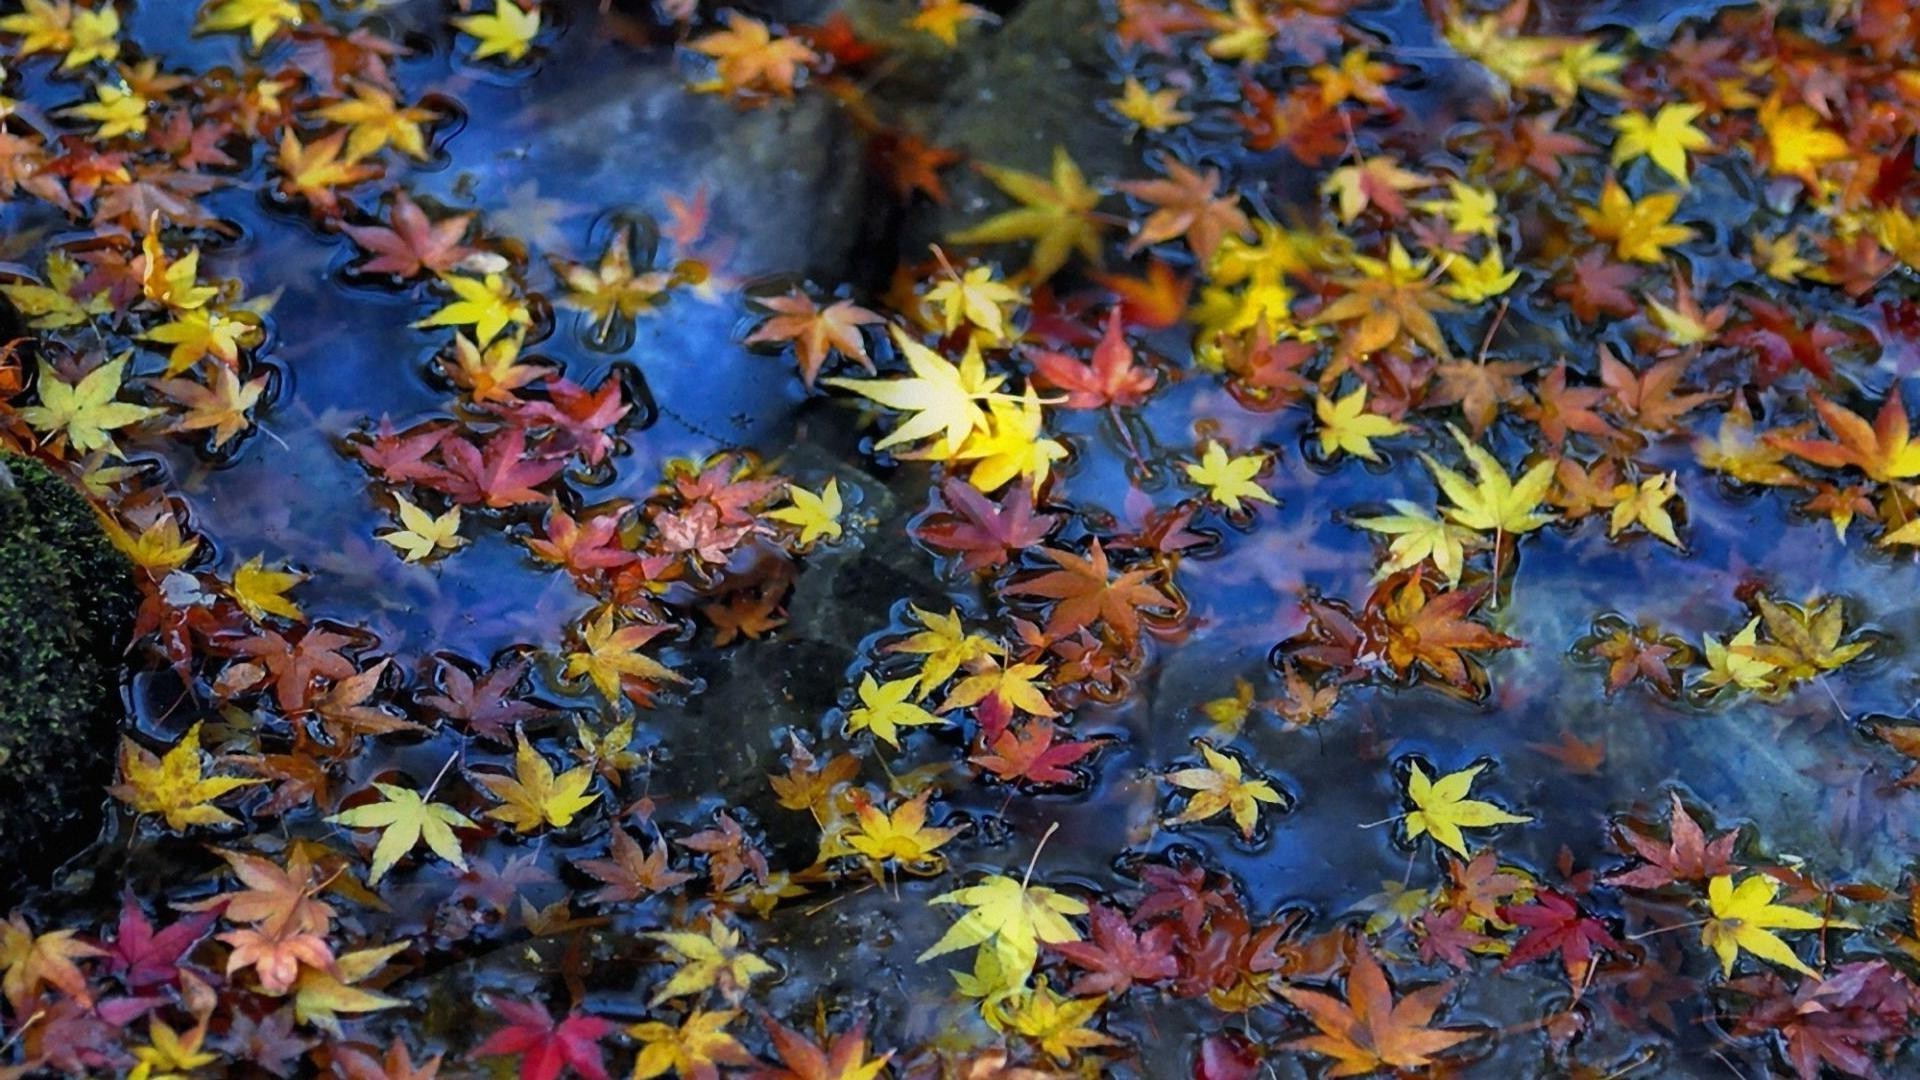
[709,960]
[844,1057]
[1220,786]
[1640,231]
[406,819]
[1086,593]
[1031,753]
[942,396]
[1155,301]
[1057,1025]
[1784,344]
[34,960]
[1735,662]
[816,516]
[885,708]
[1560,410]
[1599,286]
[1370,1030]
[1434,629]
[910,163]
[1494,502]
[85,411]
[901,835]
[261,19]
[376,121]
[1419,537]
[1008,920]
[816,332]
[1796,144]
[748,59]
[1187,203]
[1229,479]
[1555,924]
[1665,138]
[1645,506]
[488,303]
[630,872]
[1442,809]
[1345,424]
[1112,379]
[975,299]
[220,407]
[313,170]
[1152,110]
[1648,398]
[1057,214]
[545,1048]
[694,1050]
[507,31]
[1686,856]
[533,796]
[1743,916]
[396,1064]
[261,592]
[420,533]
[983,532]
[146,959]
[498,475]
[1388,298]
[412,243]
[175,785]
[1376,181]
[1115,957]
[1806,639]
[490,707]
[1883,450]
[277,901]
[321,994]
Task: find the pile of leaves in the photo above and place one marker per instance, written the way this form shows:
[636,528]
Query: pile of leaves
[1623,273]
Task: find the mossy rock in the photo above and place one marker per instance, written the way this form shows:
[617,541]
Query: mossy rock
[66,604]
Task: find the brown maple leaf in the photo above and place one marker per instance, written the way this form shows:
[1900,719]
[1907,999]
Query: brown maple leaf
[1649,399]
[630,872]
[1087,593]
[1479,388]
[1187,203]
[984,533]
[816,332]
[1433,629]
[1370,1030]
[1686,856]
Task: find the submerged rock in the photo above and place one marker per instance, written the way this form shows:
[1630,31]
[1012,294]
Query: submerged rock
[66,602]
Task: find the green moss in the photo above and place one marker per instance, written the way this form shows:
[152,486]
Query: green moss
[66,599]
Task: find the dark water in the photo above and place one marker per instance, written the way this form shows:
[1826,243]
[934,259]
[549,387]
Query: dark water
[600,130]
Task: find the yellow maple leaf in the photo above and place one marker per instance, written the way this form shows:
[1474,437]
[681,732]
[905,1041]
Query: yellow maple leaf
[1008,920]
[377,120]
[1228,479]
[1056,213]
[612,653]
[1057,1024]
[406,818]
[749,59]
[713,960]
[1418,537]
[533,796]
[1493,501]
[421,534]
[1345,424]
[1221,787]
[261,592]
[85,411]
[885,708]
[1666,138]
[943,397]
[488,304]
[320,995]
[261,19]
[1640,230]
[1645,505]
[175,785]
[814,515]
[1743,916]
[698,1047]
[1796,143]
[1011,446]
[116,108]
[507,31]
[976,299]
[902,835]
[1442,809]
[943,18]
[1154,110]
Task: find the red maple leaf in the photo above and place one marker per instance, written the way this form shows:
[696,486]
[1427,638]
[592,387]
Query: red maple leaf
[1555,924]
[1686,856]
[501,475]
[544,1047]
[295,665]
[1155,301]
[402,459]
[982,531]
[844,1056]
[1445,936]
[1784,344]
[584,418]
[145,959]
[1112,378]
[1116,957]
[1599,286]
[413,243]
[1031,754]
[582,549]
